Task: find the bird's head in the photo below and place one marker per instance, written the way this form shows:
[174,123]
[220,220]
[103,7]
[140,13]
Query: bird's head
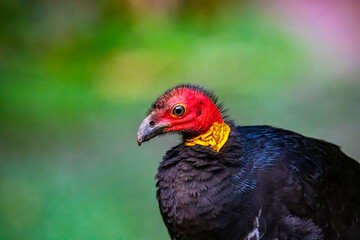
[188,109]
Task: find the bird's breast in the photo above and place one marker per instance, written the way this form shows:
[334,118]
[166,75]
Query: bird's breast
[194,194]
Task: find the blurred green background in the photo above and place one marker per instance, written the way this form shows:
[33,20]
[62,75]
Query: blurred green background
[76,79]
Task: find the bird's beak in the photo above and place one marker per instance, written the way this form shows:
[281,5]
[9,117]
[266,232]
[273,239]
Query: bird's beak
[147,131]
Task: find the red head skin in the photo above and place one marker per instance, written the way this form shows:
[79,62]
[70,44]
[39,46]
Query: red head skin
[200,112]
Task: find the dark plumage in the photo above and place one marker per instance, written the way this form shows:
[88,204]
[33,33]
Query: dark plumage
[264,183]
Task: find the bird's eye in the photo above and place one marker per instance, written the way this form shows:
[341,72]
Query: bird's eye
[178,110]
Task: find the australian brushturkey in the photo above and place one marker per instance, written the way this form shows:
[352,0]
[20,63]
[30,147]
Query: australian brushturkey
[248,182]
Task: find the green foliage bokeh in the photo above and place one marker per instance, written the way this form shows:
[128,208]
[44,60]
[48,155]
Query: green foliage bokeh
[78,77]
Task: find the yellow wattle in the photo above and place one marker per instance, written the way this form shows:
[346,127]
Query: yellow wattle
[215,137]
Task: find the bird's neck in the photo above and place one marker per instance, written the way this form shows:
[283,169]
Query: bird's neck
[216,136]
[209,116]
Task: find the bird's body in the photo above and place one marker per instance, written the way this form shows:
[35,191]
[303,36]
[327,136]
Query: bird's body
[264,183]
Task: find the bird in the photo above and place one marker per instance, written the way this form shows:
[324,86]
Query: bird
[229,182]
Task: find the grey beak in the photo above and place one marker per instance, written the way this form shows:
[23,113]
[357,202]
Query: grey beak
[147,131]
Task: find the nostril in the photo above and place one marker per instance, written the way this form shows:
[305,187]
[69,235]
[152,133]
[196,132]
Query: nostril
[152,123]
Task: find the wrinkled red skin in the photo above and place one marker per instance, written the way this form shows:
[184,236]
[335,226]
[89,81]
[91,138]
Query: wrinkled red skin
[200,112]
